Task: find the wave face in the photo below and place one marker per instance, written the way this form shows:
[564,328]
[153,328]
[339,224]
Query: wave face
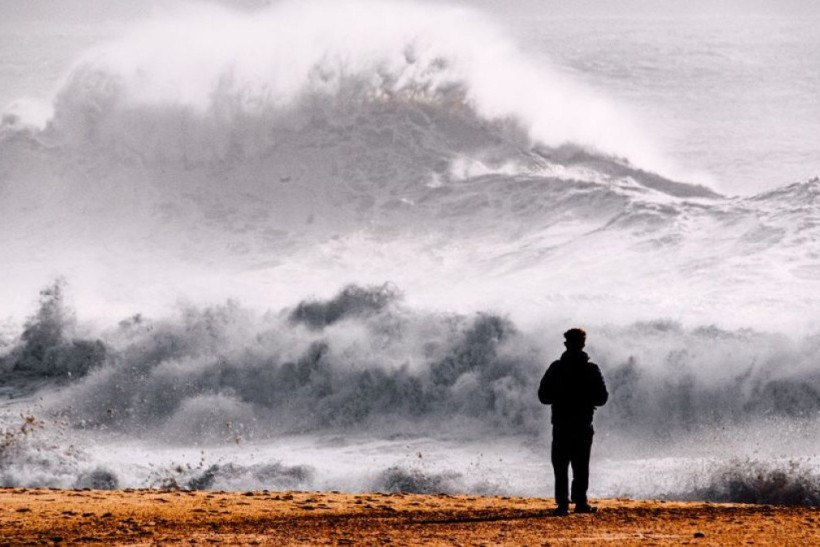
[309,117]
[225,86]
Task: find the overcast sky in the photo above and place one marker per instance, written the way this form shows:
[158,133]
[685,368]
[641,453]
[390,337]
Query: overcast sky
[89,11]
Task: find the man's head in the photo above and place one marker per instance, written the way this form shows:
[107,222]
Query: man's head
[575,339]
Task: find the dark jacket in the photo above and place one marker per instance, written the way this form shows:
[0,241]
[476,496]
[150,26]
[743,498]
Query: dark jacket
[574,387]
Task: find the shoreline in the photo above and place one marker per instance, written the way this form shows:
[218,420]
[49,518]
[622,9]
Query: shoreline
[43,515]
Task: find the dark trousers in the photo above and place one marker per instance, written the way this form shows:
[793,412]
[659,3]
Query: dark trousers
[571,446]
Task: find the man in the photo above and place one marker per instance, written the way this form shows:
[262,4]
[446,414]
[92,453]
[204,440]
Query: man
[574,387]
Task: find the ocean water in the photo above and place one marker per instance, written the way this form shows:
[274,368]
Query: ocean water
[336,247]
[728,98]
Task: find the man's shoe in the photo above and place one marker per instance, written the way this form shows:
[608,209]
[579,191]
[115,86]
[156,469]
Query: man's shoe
[586,508]
[561,511]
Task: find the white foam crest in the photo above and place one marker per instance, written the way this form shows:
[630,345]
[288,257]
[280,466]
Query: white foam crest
[27,113]
[225,67]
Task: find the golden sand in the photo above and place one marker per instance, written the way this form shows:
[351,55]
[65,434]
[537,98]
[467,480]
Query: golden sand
[144,517]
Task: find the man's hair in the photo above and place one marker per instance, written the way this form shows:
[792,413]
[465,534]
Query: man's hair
[575,338]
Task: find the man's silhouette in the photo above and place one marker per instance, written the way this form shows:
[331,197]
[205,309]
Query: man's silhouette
[574,387]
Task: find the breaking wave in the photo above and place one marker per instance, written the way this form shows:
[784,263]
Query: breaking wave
[364,360]
[363,363]
[416,481]
[212,85]
[232,476]
[373,135]
[748,481]
[48,347]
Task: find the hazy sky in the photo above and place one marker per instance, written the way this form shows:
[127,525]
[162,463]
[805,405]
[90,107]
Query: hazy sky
[72,11]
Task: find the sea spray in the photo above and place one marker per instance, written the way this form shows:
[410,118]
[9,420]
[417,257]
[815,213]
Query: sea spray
[364,358]
[48,346]
[753,481]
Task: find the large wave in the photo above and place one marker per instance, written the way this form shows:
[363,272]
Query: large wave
[367,105]
[210,85]
[366,365]
[363,359]
[238,153]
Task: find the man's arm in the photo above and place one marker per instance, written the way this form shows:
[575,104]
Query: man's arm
[597,388]
[546,389]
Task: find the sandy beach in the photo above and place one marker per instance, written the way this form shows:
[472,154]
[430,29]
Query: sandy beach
[145,517]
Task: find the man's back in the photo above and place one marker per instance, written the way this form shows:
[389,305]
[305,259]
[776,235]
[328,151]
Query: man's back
[574,387]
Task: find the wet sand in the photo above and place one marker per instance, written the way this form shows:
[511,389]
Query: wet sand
[276,518]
